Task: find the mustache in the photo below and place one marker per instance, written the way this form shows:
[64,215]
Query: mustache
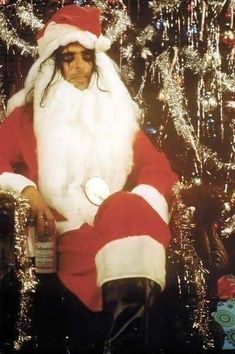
[78,75]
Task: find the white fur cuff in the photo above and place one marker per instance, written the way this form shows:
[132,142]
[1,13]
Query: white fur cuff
[131,257]
[10,180]
[155,199]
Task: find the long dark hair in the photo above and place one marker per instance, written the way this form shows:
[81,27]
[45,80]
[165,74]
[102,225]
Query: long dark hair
[56,56]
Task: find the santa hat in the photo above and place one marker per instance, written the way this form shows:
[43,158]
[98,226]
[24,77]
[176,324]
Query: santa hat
[72,23]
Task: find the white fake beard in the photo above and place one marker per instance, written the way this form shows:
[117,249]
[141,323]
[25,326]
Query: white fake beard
[82,134]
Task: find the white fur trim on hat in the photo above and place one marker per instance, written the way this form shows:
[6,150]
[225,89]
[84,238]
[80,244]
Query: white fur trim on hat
[131,257]
[57,35]
[102,43]
[154,198]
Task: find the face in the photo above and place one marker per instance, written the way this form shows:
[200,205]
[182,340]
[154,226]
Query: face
[76,65]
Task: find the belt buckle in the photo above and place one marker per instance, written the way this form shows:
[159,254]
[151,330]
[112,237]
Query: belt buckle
[96,190]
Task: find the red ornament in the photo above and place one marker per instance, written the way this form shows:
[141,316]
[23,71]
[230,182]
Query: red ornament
[226,287]
[228,37]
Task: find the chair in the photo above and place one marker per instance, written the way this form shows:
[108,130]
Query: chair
[190,293]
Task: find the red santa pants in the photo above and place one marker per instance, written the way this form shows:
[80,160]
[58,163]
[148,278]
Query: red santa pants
[127,240]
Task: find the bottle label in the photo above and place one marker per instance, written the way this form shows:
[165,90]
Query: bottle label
[45,257]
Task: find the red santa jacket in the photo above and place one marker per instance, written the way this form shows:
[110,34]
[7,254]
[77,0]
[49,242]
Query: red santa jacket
[125,224]
[18,154]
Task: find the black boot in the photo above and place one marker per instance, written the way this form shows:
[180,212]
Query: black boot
[129,301]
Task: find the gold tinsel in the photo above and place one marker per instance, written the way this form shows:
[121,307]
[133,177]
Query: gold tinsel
[182,251]
[13,203]
[2,97]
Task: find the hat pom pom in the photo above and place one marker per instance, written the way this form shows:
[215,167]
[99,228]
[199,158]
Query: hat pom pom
[102,43]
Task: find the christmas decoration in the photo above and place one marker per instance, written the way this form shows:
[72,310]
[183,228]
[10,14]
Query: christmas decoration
[12,201]
[10,38]
[26,16]
[194,272]
[2,99]
[177,58]
[226,287]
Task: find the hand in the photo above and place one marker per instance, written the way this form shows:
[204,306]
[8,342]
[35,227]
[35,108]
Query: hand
[40,213]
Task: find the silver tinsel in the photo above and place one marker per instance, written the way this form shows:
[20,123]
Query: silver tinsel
[210,61]
[216,5]
[127,70]
[117,18]
[10,38]
[212,162]
[174,97]
[147,34]
[228,227]
[228,82]
[102,5]
[173,93]
[159,5]
[127,52]
[120,24]
[139,96]
[128,73]
[27,17]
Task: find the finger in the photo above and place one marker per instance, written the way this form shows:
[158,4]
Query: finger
[51,225]
[40,225]
[31,219]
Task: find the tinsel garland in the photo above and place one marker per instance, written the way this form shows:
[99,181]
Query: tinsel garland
[182,250]
[2,109]
[24,268]
[147,34]
[216,5]
[139,96]
[232,4]
[197,65]
[2,98]
[121,22]
[117,19]
[127,70]
[228,227]
[158,6]
[173,94]
[26,16]
[174,97]
[10,38]
[117,22]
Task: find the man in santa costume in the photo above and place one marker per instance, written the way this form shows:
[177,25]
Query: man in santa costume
[71,144]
